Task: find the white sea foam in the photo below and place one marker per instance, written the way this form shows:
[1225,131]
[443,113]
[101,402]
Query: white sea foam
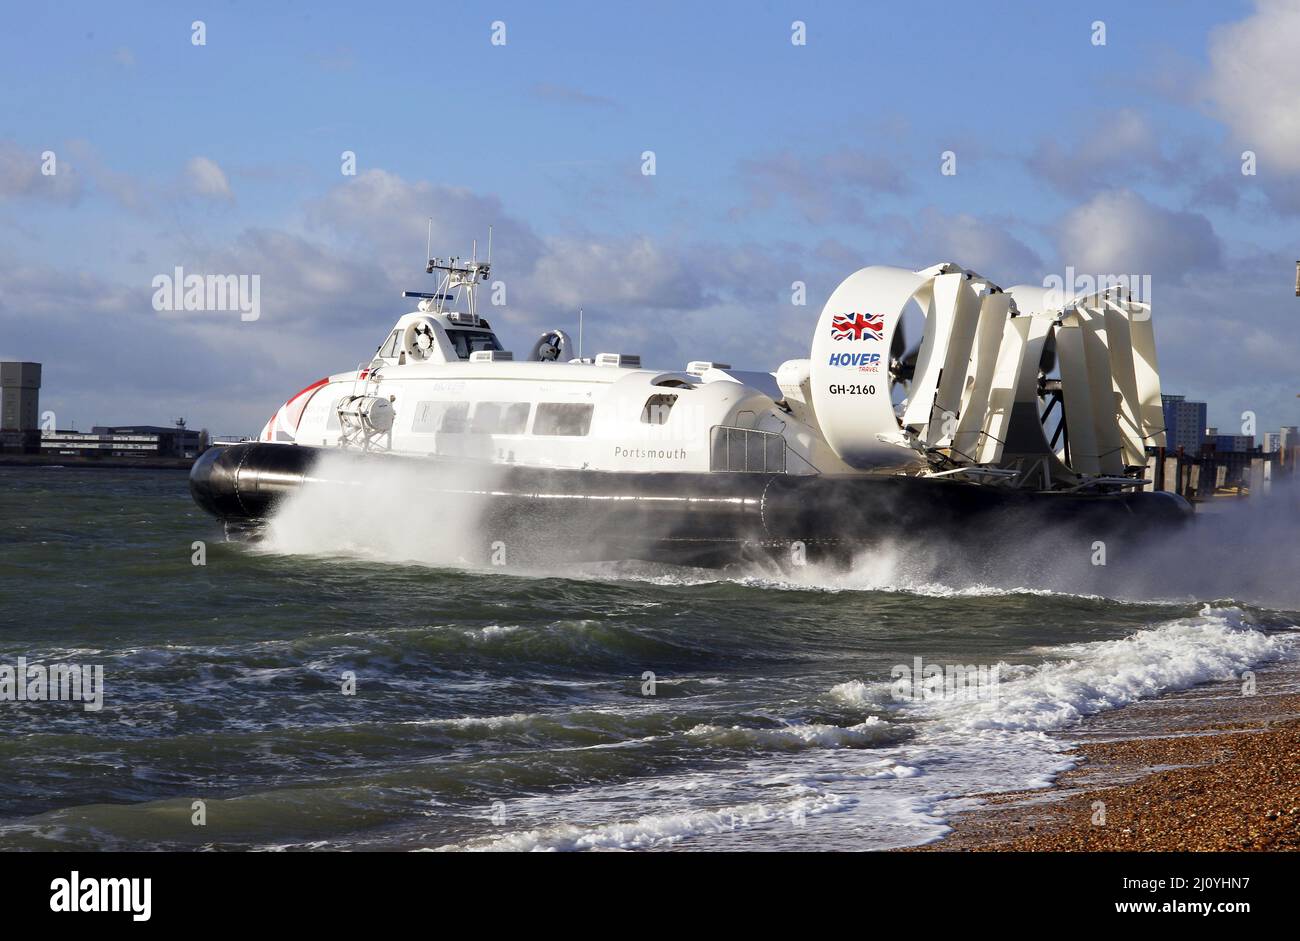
[856,693]
[865,575]
[661,829]
[513,720]
[875,788]
[490,632]
[1083,679]
[871,731]
[1245,550]
[888,782]
[354,516]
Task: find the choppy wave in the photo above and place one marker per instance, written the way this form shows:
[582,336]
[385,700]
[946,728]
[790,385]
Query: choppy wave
[856,693]
[864,576]
[935,750]
[871,731]
[659,830]
[772,722]
[1083,679]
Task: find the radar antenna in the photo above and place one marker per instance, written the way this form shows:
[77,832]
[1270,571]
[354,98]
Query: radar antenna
[457,278]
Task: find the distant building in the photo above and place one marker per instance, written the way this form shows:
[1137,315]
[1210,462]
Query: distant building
[20,395]
[1232,443]
[1184,423]
[1289,437]
[1272,441]
[124,441]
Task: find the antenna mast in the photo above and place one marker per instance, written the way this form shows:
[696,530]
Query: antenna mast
[454,274]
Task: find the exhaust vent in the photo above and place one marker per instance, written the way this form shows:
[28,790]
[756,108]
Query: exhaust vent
[698,367]
[491,356]
[625,360]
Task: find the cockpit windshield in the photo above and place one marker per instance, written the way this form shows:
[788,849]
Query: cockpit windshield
[471,341]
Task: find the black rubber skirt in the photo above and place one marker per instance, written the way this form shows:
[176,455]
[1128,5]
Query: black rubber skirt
[695,518]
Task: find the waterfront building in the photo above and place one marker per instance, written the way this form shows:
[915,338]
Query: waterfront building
[20,393]
[1184,423]
[1229,443]
[142,441]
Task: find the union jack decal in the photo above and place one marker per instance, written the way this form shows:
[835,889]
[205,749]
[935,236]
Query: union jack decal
[858,326]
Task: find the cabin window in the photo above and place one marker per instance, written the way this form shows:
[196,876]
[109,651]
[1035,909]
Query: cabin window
[657,408]
[389,348]
[746,450]
[571,419]
[447,418]
[471,341]
[499,418]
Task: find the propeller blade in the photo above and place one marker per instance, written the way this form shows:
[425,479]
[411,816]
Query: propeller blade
[1047,362]
[905,367]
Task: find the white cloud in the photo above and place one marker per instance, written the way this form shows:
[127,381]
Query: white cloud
[305,283]
[1227,337]
[1254,74]
[386,217]
[148,196]
[329,291]
[137,196]
[615,273]
[110,359]
[828,188]
[207,179]
[1118,146]
[1120,232]
[986,246]
[330,281]
[20,175]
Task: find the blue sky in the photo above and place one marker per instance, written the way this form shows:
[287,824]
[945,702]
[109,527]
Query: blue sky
[774,163]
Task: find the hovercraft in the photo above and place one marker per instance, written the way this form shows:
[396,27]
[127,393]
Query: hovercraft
[1017,410]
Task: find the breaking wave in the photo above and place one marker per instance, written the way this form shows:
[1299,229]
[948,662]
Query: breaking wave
[1083,679]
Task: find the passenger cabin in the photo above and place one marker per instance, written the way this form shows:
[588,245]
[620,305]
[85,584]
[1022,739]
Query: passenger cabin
[427,336]
[440,383]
